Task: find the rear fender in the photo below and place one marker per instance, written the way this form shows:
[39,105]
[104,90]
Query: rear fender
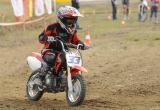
[37,55]
[34,61]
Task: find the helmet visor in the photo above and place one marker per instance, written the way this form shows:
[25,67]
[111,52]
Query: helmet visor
[70,21]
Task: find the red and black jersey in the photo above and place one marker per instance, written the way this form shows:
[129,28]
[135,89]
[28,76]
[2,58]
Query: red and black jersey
[56,30]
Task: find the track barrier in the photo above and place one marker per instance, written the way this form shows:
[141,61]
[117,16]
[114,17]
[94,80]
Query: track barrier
[24,23]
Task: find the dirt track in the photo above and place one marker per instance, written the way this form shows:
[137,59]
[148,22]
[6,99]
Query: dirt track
[122,76]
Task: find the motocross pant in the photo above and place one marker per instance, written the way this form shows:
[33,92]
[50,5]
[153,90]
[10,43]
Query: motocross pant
[49,58]
[54,59]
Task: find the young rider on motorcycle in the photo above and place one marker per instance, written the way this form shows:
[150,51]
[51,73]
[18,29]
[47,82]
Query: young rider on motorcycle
[65,28]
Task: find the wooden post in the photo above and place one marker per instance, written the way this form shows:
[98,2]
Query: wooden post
[44,22]
[24,26]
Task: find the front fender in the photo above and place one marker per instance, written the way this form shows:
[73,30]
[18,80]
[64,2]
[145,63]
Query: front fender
[76,69]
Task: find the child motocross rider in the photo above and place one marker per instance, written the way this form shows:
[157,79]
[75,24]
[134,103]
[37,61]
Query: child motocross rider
[65,28]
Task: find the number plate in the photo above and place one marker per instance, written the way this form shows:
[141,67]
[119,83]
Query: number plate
[73,59]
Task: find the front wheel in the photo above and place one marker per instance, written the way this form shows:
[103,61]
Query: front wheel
[33,86]
[79,91]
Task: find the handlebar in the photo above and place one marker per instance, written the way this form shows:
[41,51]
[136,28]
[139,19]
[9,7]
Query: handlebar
[62,42]
[74,46]
[69,45]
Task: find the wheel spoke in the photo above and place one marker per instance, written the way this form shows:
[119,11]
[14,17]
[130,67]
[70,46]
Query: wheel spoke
[32,85]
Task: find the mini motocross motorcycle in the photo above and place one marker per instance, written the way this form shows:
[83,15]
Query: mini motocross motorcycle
[69,78]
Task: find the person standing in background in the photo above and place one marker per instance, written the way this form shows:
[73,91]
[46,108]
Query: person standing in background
[114,9]
[76,4]
[143,8]
[18,10]
[125,4]
[154,9]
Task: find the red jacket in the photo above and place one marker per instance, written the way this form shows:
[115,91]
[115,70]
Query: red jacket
[56,30]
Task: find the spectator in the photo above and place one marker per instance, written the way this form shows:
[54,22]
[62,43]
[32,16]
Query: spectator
[75,4]
[125,4]
[154,9]
[143,7]
[114,9]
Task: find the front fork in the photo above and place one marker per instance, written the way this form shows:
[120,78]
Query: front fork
[69,80]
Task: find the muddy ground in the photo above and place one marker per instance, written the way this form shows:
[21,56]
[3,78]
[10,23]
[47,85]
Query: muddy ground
[123,67]
[123,75]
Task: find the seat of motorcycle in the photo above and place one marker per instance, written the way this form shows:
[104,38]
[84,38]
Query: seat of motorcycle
[37,55]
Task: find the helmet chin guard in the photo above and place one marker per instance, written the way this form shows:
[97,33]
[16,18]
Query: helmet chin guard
[69,30]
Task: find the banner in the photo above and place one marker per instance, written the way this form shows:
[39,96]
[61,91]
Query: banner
[63,1]
[39,7]
[48,4]
[26,9]
[18,7]
[30,8]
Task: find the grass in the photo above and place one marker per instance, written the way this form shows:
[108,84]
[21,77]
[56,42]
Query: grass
[6,9]
[97,23]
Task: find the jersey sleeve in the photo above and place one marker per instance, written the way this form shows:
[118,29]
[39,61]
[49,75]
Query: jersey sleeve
[49,31]
[75,38]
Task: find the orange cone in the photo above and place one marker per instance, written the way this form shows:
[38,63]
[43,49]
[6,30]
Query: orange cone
[87,39]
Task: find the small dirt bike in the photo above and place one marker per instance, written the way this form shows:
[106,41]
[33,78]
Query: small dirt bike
[69,78]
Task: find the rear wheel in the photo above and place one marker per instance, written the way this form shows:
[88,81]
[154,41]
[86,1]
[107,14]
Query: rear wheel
[33,90]
[79,91]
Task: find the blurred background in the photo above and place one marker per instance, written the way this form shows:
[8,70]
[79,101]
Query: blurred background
[123,62]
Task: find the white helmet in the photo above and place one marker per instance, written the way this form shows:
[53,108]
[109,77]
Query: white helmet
[67,17]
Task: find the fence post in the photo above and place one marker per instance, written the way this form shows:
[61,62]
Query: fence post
[44,23]
[24,26]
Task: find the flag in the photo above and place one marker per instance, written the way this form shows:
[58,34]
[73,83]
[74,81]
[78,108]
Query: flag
[48,4]
[39,7]
[18,7]
[26,9]
[30,8]
[63,1]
